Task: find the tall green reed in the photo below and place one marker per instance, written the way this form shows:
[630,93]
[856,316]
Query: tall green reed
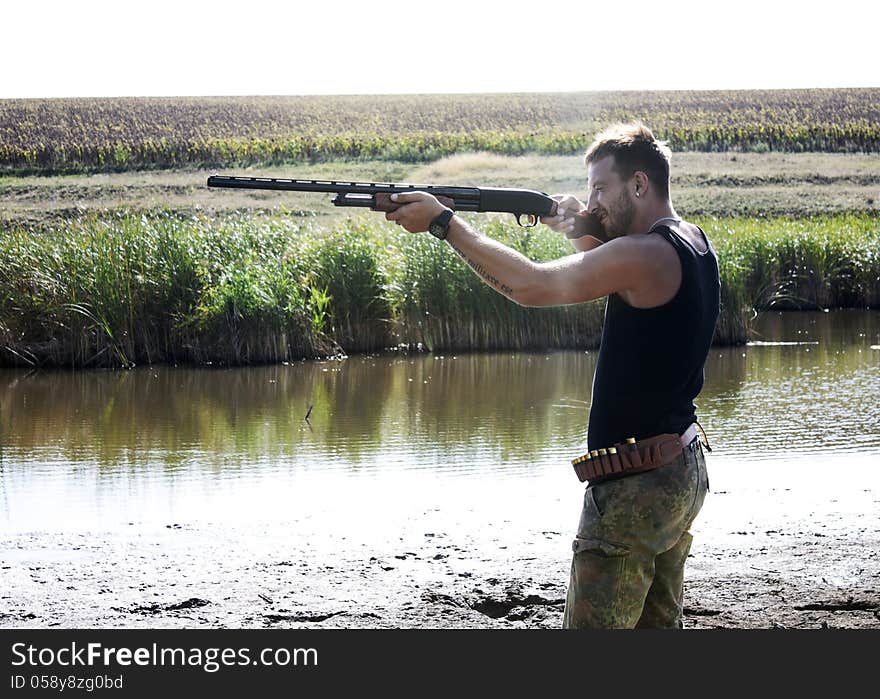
[116,290]
[809,263]
[160,288]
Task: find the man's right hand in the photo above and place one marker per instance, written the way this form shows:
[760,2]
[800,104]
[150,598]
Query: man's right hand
[567,206]
[572,220]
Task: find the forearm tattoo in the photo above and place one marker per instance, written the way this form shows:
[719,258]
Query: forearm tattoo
[481,271]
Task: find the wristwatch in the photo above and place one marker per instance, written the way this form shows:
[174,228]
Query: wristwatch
[439,227]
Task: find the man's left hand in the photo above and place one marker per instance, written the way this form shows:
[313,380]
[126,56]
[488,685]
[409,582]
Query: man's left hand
[416,212]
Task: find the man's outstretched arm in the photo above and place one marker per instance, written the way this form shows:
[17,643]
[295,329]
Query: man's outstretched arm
[573,279]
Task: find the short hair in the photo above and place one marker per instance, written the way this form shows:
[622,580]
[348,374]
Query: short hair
[634,148]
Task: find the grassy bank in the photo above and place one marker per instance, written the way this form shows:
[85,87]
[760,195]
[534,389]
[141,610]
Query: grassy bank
[792,185]
[110,291]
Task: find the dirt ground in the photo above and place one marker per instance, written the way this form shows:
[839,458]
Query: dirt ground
[816,571]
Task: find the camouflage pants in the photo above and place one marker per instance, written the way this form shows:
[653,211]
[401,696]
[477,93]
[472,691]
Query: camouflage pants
[628,565]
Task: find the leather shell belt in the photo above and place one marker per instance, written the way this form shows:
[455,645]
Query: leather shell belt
[632,456]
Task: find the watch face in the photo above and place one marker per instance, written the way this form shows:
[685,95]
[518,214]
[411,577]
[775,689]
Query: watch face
[439,227]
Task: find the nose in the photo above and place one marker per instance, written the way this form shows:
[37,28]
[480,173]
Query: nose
[592,202]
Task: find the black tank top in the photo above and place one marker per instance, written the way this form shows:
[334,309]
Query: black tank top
[650,366]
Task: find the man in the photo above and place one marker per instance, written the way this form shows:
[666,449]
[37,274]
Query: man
[647,474]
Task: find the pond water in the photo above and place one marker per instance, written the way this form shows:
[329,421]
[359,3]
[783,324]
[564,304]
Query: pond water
[366,443]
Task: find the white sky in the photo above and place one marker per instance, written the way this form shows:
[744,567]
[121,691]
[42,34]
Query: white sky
[257,47]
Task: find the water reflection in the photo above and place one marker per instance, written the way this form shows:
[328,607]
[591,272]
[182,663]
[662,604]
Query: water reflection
[411,410]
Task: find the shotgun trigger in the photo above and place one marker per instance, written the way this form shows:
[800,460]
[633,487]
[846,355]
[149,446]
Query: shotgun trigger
[531,220]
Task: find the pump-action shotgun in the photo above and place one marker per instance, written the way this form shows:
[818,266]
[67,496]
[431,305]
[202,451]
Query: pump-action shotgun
[526,204]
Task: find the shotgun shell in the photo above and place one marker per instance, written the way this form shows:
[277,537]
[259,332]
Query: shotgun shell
[603,461]
[614,460]
[633,449]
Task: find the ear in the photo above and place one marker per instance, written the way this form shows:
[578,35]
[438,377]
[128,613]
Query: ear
[640,184]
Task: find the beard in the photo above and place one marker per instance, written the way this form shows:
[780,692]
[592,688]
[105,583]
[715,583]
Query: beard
[617,218]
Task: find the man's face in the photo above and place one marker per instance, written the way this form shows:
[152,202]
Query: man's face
[609,198]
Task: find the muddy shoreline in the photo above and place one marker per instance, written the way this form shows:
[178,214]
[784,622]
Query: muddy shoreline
[816,572]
